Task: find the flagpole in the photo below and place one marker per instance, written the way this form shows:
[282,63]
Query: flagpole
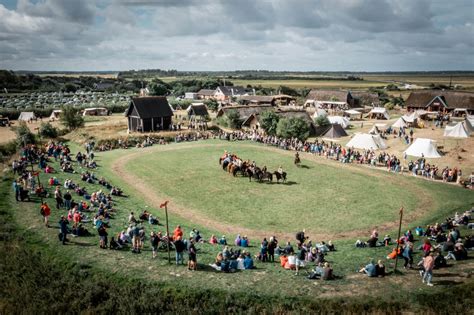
[398,239]
[165,204]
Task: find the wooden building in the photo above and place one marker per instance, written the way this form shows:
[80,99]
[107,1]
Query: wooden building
[441,101]
[147,114]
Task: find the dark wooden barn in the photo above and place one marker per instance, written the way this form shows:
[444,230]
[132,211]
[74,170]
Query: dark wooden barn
[147,114]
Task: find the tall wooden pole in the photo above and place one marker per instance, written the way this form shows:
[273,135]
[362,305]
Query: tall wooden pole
[165,205]
[398,238]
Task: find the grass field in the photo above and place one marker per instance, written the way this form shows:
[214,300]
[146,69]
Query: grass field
[186,171]
[315,197]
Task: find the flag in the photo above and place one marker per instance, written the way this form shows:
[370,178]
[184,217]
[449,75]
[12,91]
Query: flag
[164,204]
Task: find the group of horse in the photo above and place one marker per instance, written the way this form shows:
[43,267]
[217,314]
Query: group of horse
[235,166]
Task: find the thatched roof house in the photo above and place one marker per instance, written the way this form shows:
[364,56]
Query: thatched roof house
[149,114]
[444,101]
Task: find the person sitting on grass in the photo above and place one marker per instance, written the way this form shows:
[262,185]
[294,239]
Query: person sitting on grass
[222,240]
[316,272]
[369,269]
[244,242]
[237,240]
[327,272]
[213,240]
[248,261]
[331,246]
[291,263]
[387,240]
[240,262]
[114,244]
[380,269]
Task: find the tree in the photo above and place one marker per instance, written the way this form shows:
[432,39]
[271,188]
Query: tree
[24,135]
[233,118]
[70,88]
[211,104]
[293,128]
[47,130]
[269,121]
[158,89]
[288,91]
[322,121]
[71,118]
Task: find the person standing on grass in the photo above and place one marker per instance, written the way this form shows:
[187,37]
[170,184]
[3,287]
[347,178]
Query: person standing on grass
[179,247]
[16,189]
[408,255]
[67,200]
[154,242]
[271,249]
[63,227]
[45,212]
[59,198]
[192,262]
[428,265]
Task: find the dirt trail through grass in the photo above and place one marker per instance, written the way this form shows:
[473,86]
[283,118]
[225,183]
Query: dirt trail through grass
[192,215]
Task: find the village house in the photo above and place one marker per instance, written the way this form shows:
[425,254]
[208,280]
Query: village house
[273,100]
[336,99]
[441,101]
[226,93]
[147,114]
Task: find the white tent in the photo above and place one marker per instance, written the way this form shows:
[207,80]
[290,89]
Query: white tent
[320,113]
[470,118]
[27,116]
[377,128]
[400,123]
[343,121]
[456,131]
[423,148]
[367,142]
[55,114]
[352,112]
[379,111]
[469,125]
[409,118]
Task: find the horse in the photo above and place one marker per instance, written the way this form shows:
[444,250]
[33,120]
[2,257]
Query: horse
[297,160]
[266,175]
[255,173]
[225,163]
[279,176]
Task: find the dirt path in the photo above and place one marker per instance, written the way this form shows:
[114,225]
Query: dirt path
[192,215]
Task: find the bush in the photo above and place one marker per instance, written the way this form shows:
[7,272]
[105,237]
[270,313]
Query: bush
[233,119]
[293,128]
[46,130]
[211,104]
[322,121]
[269,122]
[7,150]
[71,118]
[24,135]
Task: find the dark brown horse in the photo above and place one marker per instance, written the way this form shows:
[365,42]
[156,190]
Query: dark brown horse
[279,176]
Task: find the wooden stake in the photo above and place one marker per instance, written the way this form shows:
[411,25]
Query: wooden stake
[165,205]
[398,238]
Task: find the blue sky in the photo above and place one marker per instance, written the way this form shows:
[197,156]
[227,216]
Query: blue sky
[304,35]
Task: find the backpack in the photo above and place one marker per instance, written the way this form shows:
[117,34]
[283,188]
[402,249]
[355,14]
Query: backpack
[42,211]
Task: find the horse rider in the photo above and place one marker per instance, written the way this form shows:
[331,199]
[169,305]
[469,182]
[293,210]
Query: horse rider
[280,170]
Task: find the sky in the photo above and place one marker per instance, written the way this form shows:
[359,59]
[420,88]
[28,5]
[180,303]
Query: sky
[219,35]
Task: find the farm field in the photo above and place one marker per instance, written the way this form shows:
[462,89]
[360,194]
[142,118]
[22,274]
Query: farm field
[189,173]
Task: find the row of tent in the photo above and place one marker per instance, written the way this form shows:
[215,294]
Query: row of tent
[421,147]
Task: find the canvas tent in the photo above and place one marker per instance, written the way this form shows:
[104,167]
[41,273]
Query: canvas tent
[379,113]
[55,114]
[457,131]
[367,141]
[422,147]
[400,123]
[95,111]
[27,116]
[409,118]
[343,121]
[469,125]
[320,113]
[336,131]
[377,128]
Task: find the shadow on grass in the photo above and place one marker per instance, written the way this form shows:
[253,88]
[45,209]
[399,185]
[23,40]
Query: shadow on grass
[305,166]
